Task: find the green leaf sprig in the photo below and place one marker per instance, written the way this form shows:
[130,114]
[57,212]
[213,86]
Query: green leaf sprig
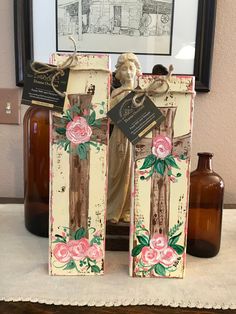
[160,166]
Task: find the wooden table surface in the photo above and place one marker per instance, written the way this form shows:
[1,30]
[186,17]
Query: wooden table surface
[36,308]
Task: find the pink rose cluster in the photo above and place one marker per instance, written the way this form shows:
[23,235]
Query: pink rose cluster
[161,146]
[158,252]
[78,131]
[77,250]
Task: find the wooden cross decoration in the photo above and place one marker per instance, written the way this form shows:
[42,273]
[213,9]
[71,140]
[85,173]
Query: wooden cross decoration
[80,105]
[160,185]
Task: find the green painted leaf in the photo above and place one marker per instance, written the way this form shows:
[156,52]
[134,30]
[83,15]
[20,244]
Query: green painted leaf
[95,269]
[92,143]
[65,119]
[175,228]
[76,109]
[143,240]
[67,144]
[178,175]
[86,145]
[160,269]
[101,111]
[160,166]
[92,118]
[70,265]
[178,248]
[149,174]
[82,151]
[68,115]
[97,123]
[183,157]
[80,233]
[59,238]
[96,240]
[136,250]
[61,142]
[174,239]
[61,131]
[169,173]
[170,161]
[148,162]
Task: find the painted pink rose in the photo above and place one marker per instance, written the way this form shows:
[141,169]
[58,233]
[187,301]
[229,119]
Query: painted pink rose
[150,256]
[78,131]
[61,252]
[158,242]
[168,256]
[161,146]
[95,252]
[78,248]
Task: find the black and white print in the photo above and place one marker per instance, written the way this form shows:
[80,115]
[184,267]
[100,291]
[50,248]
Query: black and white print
[115,26]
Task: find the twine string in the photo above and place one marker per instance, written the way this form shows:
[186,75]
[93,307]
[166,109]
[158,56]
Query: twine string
[44,68]
[158,87]
[70,62]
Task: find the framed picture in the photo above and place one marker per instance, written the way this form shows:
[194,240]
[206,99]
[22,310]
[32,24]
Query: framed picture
[186,41]
[143,27]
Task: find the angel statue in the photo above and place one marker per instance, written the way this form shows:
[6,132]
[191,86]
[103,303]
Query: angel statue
[119,176]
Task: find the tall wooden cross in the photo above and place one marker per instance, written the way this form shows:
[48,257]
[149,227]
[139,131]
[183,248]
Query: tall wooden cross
[79,169]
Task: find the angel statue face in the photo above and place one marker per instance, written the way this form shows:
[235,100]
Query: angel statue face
[127,72]
[127,68]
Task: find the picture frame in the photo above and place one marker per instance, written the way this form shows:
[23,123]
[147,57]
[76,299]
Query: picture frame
[143,27]
[24,39]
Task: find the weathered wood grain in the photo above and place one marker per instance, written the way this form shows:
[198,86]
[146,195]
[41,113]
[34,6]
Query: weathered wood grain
[160,186]
[79,176]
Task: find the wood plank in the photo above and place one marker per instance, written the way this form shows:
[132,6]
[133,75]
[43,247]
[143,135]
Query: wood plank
[160,191]
[79,175]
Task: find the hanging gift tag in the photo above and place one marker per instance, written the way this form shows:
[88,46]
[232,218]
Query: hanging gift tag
[135,120]
[38,89]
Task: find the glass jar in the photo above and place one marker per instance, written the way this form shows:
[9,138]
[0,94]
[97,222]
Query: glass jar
[36,170]
[205,209]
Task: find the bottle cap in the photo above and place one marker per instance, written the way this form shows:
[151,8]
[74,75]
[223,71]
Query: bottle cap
[206,154]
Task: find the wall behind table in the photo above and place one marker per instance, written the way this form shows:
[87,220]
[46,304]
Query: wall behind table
[11,161]
[215,112]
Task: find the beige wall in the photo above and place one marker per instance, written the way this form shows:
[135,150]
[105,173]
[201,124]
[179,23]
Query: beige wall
[215,112]
[11,164]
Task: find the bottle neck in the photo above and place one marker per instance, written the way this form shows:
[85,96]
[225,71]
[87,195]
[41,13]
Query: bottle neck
[205,162]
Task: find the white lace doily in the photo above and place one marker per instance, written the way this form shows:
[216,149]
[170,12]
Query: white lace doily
[208,283]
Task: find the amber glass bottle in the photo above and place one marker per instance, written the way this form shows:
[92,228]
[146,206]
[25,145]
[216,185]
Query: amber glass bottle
[205,209]
[36,170]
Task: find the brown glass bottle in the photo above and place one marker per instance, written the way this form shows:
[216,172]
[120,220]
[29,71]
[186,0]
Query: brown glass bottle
[205,209]
[36,170]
